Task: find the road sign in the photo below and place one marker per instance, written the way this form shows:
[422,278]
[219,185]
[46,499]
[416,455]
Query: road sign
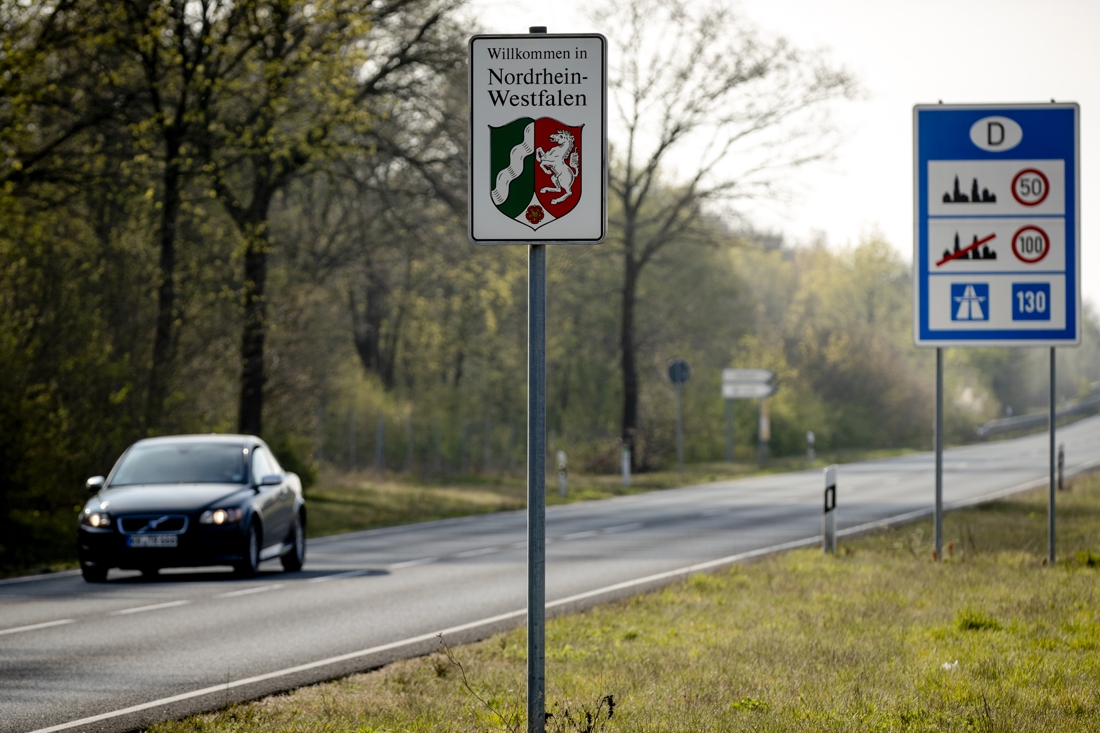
[746,390]
[997,206]
[679,372]
[538,139]
[747,375]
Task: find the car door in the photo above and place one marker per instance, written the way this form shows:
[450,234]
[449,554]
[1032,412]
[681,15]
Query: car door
[272,499]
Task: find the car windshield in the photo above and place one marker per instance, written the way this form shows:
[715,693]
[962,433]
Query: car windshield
[182,463]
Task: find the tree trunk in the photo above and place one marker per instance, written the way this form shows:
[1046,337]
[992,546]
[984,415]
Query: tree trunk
[164,340]
[250,412]
[629,368]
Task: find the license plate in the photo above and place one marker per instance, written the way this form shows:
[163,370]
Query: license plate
[152,540]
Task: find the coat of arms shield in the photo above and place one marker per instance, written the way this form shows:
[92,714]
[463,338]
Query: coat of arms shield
[535,169]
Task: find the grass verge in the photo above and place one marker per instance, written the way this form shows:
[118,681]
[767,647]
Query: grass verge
[348,502]
[877,638]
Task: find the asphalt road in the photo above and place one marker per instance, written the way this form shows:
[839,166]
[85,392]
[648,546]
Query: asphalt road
[117,656]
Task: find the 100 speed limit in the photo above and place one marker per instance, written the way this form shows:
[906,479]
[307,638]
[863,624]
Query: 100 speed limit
[1030,244]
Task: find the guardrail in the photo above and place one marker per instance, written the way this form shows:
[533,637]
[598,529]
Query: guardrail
[1038,419]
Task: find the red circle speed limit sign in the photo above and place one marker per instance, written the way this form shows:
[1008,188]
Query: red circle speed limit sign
[1030,187]
[1030,244]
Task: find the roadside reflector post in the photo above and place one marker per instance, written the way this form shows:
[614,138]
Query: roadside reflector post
[810,446]
[1061,466]
[828,526]
[626,465]
[563,463]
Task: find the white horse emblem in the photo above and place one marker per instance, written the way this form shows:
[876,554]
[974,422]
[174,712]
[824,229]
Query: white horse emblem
[561,163]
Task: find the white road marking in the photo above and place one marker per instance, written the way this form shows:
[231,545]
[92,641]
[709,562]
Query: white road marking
[580,535]
[250,591]
[32,627]
[41,576]
[518,545]
[475,553]
[622,528]
[154,607]
[413,563]
[335,576]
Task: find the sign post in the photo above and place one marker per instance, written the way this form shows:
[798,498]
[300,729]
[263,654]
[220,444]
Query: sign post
[538,176]
[678,373]
[743,384]
[997,251]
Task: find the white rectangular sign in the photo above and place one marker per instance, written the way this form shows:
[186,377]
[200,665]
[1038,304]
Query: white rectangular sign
[747,375]
[997,252]
[746,390]
[538,139]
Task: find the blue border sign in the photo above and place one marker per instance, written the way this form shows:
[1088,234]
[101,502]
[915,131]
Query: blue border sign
[997,250]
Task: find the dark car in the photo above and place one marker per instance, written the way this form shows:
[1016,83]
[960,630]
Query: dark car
[193,500]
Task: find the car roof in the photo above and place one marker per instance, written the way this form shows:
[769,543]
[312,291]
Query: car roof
[210,438]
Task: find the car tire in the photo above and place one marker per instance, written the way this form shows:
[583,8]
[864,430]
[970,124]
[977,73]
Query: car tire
[94,573]
[294,558]
[250,564]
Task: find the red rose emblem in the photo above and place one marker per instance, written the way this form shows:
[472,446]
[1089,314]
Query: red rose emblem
[535,214]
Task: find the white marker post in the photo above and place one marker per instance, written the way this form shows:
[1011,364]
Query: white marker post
[828,521]
[538,176]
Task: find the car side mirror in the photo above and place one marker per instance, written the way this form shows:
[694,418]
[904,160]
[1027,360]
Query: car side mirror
[271,479]
[94,484]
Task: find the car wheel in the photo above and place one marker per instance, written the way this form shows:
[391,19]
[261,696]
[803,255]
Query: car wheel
[94,573]
[294,558]
[250,565]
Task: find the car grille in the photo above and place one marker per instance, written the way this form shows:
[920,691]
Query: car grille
[153,524]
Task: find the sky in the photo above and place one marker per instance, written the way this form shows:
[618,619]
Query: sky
[903,52]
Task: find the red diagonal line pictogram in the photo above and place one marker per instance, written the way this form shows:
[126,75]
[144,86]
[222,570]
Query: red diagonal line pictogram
[961,252]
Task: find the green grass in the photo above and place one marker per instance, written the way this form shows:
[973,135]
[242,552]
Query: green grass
[346,502]
[877,638]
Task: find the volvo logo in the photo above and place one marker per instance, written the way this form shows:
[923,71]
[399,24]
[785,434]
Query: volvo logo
[152,525]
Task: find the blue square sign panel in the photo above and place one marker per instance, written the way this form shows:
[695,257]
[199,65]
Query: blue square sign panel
[997,253]
[969,302]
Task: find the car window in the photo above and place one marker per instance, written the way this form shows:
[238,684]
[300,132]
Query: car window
[261,464]
[181,463]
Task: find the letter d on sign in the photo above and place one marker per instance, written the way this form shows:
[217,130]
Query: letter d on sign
[995,133]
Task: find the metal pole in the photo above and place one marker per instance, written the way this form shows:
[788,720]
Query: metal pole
[536,488]
[320,434]
[680,428]
[729,431]
[409,447]
[380,445]
[488,445]
[938,439]
[438,444]
[1050,505]
[351,438]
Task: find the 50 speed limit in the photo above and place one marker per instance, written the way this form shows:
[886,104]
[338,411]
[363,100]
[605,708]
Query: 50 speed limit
[1030,187]
[1030,244]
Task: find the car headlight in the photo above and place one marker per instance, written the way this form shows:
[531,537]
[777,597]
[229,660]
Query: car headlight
[98,520]
[221,516]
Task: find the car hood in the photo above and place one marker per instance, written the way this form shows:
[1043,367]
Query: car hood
[169,497]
